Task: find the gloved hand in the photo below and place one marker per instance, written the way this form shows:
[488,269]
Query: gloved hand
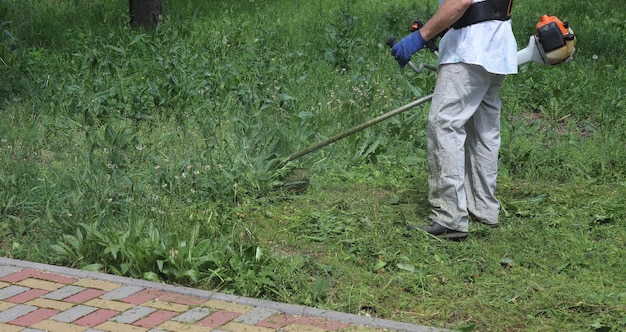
[405,48]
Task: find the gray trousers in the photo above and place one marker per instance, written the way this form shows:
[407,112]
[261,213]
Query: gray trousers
[463,145]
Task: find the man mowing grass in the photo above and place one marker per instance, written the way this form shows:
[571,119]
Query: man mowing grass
[464,120]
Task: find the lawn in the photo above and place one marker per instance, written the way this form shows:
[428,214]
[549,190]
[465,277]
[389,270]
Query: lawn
[157,155]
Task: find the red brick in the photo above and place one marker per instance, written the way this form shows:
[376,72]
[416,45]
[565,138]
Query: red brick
[278,321]
[96,318]
[156,318]
[218,319]
[56,278]
[34,317]
[325,324]
[181,299]
[20,275]
[84,296]
[27,296]
[143,296]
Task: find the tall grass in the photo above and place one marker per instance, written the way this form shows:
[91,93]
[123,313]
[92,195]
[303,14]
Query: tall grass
[153,154]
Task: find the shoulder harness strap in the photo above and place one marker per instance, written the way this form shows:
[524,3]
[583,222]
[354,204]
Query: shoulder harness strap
[487,10]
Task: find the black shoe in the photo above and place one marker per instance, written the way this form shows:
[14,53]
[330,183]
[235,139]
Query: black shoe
[490,224]
[473,218]
[443,232]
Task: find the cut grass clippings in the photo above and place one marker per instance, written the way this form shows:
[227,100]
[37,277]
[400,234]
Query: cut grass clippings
[552,264]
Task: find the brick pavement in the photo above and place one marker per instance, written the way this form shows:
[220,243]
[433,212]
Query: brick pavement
[37,297]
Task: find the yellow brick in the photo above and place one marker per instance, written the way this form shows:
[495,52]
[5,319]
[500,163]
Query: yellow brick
[97,284]
[6,305]
[108,304]
[119,327]
[228,306]
[167,306]
[54,326]
[181,327]
[301,328]
[240,327]
[10,328]
[50,304]
[4,284]
[40,284]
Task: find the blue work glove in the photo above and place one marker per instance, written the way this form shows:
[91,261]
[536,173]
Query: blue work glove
[405,48]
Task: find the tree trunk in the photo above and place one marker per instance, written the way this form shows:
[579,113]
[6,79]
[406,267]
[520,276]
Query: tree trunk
[145,13]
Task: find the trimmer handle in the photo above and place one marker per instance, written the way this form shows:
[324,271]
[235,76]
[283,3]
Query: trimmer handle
[417,24]
[392,41]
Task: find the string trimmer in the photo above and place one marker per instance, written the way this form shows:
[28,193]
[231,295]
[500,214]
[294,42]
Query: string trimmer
[552,44]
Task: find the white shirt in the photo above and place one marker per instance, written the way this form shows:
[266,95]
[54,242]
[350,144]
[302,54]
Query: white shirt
[490,44]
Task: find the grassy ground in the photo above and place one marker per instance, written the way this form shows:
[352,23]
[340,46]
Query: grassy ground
[153,154]
[550,266]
